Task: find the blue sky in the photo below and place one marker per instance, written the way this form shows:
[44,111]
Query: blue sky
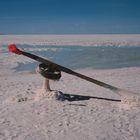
[69,16]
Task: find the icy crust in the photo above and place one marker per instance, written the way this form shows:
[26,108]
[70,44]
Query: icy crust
[81,40]
[27,113]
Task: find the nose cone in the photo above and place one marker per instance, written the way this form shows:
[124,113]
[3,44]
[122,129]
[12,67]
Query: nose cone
[12,48]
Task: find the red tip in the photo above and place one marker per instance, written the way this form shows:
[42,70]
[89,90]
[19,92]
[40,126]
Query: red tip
[12,48]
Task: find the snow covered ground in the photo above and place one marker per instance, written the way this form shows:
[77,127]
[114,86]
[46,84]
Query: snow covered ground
[50,119]
[82,40]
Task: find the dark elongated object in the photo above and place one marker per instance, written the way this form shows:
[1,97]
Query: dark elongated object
[49,72]
[12,48]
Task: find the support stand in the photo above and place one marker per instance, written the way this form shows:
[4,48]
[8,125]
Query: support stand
[48,73]
[46,85]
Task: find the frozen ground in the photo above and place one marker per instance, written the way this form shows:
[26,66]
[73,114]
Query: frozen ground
[49,119]
[82,40]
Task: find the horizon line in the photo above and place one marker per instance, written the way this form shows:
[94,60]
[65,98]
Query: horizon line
[78,34]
